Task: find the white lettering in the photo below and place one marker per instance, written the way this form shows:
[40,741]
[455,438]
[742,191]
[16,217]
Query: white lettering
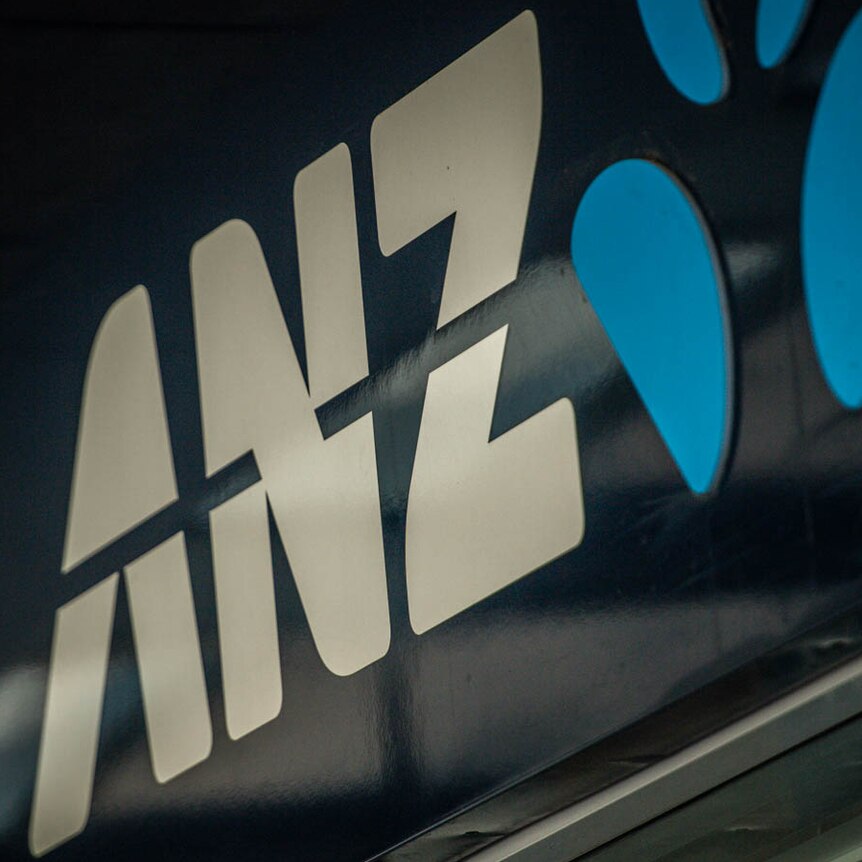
[323,493]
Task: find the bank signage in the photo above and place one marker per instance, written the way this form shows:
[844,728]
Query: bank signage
[520,441]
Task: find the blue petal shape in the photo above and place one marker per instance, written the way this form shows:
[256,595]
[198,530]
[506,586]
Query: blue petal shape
[832,220]
[646,264]
[779,23]
[684,42]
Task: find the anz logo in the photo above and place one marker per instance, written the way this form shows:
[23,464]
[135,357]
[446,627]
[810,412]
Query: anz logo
[481,513]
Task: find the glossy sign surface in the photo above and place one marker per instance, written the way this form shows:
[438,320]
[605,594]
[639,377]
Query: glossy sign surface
[318,262]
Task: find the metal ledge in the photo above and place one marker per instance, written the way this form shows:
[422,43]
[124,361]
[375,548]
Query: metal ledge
[696,769]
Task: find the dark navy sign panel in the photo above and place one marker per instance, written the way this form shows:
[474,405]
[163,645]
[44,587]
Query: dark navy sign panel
[130,135]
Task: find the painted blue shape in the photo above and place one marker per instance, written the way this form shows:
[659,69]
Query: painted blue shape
[832,220]
[684,42]
[779,23]
[644,259]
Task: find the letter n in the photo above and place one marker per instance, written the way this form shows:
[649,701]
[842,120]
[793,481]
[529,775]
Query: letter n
[323,493]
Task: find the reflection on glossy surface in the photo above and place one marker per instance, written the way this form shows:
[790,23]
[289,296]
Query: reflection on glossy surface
[832,221]
[21,693]
[683,36]
[645,260]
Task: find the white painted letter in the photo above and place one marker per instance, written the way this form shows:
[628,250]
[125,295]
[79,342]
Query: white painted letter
[245,603]
[73,716]
[123,474]
[481,515]
[329,276]
[323,493]
[169,659]
[124,470]
[465,141]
